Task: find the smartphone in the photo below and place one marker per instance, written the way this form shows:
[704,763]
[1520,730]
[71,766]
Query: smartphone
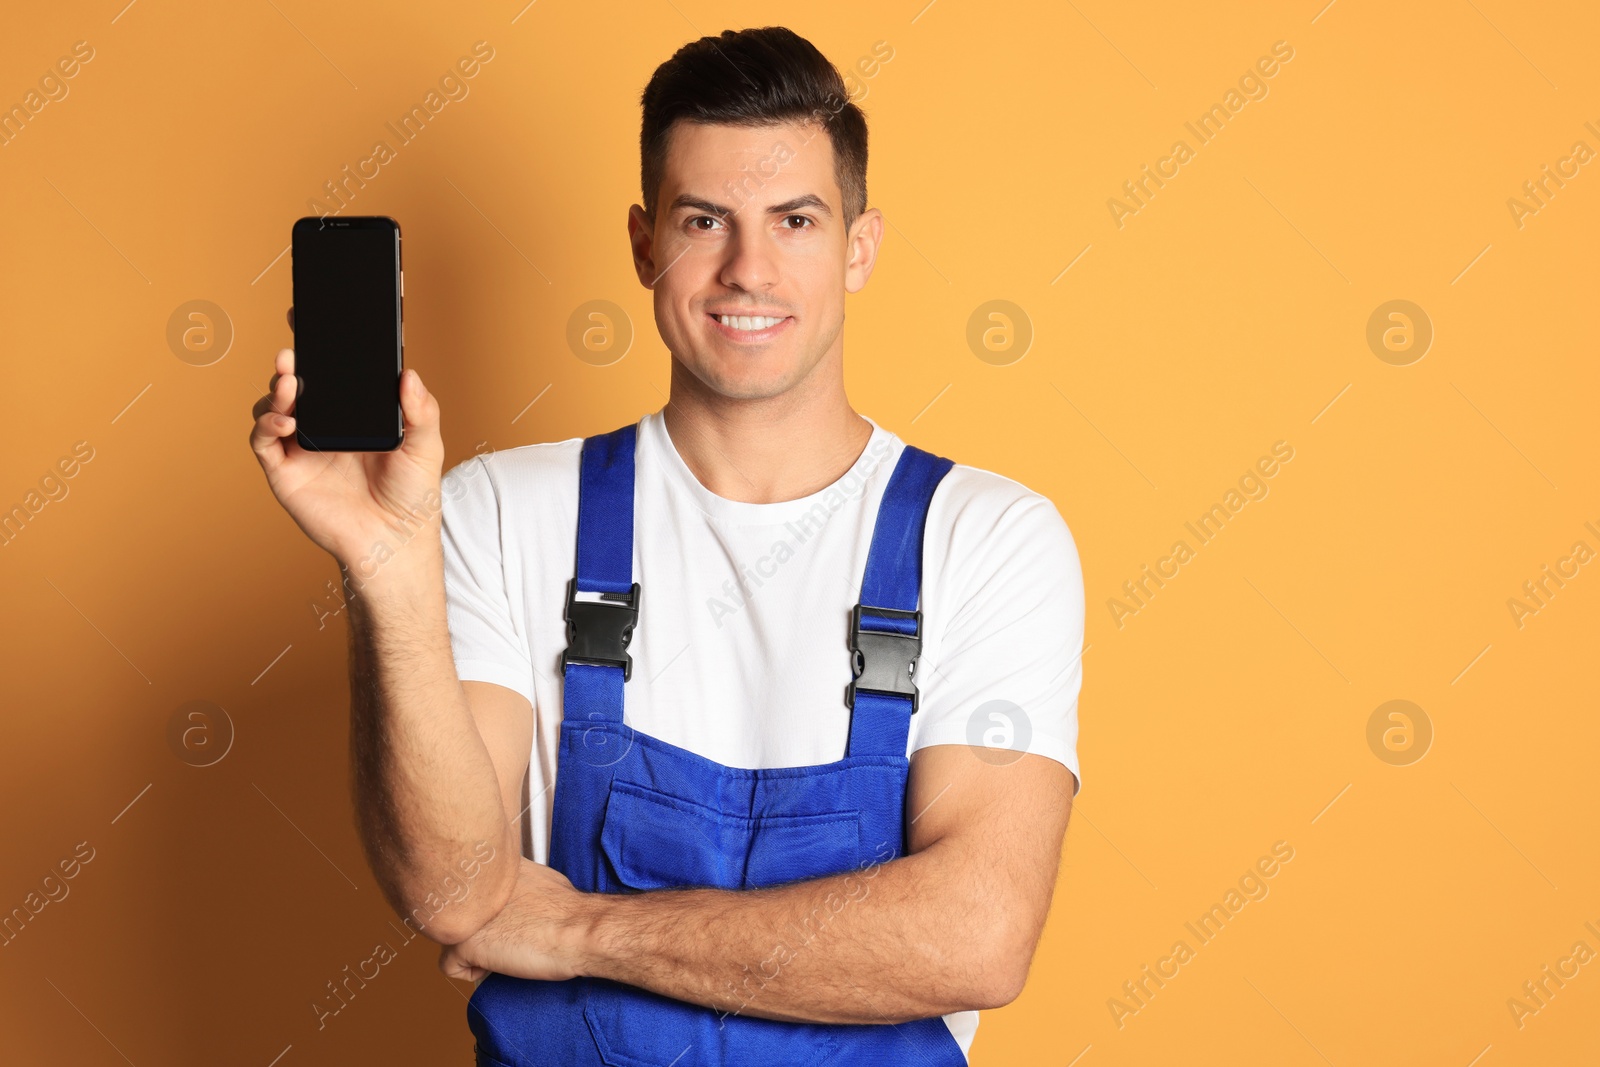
[349,333]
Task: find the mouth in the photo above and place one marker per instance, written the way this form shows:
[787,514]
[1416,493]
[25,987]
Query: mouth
[750,328]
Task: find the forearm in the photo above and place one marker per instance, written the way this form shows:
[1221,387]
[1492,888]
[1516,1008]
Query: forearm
[424,785]
[907,939]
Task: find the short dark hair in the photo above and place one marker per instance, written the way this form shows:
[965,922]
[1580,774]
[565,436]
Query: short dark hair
[755,77]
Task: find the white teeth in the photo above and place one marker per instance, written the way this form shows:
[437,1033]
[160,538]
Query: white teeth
[748,322]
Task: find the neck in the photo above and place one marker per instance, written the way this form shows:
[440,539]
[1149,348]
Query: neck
[765,450]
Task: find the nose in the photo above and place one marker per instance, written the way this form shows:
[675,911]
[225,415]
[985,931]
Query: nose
[752,262]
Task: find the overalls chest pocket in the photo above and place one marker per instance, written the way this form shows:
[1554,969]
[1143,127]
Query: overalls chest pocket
[654,840]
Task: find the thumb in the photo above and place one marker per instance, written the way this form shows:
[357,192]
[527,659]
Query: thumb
[420,407]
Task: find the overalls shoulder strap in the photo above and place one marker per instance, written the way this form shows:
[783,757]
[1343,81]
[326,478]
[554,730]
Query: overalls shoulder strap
[596,662]
[886,626]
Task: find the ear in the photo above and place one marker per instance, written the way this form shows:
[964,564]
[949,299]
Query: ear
[641,235]
[862,244]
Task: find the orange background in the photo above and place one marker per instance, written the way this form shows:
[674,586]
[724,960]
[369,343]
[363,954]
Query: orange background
[1229,313]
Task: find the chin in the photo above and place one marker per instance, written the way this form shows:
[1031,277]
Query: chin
[744,379]
[747,386]
[745,367]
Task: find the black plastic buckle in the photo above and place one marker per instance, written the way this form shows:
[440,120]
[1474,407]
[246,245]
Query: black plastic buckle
[882,661]
[598,631]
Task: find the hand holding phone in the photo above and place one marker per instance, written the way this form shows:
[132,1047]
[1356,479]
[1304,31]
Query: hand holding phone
[350,502]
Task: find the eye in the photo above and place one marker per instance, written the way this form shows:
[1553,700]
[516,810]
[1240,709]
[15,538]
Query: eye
[697,219]
[806,220]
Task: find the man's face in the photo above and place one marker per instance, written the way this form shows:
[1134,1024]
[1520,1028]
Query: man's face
[749,257]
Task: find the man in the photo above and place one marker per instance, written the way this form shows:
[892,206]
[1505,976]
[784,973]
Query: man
[704,848]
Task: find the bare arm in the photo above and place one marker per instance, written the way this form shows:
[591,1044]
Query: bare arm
[433,772]
[950,926]
[431,812]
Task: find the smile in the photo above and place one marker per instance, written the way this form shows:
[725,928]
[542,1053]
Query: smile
[750,327]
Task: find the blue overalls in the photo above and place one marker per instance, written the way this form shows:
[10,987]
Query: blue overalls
[634,813]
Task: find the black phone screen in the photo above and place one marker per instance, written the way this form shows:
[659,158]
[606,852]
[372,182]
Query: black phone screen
[347,332]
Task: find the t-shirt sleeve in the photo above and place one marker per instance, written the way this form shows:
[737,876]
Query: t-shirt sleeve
[483,633]
[1010,665]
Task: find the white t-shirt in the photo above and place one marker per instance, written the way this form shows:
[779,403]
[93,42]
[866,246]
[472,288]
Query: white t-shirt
[740,651]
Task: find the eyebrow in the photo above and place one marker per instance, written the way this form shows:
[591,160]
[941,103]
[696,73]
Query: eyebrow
[809,200]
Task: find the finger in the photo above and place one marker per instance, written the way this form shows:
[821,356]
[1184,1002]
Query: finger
[279,368]
[420,407]
[282,363]
[278,399]
[454,966]
[274,402]
[286,385]
[266,439]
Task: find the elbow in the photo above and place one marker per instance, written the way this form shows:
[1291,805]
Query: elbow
[1001,969]
[449,915]
[998,987]
[453,925]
